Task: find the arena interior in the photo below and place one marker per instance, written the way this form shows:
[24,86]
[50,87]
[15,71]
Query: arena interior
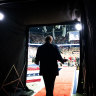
[67,38]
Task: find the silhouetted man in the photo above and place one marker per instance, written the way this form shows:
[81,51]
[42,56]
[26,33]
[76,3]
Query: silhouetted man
[48,54]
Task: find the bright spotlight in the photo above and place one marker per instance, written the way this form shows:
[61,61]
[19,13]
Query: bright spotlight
[1,16]
[78,27]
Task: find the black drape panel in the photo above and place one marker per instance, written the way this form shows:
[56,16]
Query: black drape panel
[88,49]
[83,54]
[12,53]
[90,8]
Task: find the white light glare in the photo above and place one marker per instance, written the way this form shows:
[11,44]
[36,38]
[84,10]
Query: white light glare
[1,16]
[78,27]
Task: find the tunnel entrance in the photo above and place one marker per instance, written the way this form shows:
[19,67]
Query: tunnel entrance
[67,38]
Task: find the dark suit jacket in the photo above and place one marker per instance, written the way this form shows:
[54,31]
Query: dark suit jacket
[48,54]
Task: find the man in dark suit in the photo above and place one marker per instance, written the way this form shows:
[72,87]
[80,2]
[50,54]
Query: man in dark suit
[48,54]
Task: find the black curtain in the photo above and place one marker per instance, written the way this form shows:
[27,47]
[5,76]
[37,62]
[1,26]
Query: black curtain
[13,53]
[90,9]
[87,80]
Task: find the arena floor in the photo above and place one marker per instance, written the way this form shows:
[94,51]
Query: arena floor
[65,84]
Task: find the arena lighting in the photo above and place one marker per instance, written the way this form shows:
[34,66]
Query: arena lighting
[1,16]
[57,26]
[78,27]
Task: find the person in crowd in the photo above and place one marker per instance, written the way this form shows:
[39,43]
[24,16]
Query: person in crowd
[47,56]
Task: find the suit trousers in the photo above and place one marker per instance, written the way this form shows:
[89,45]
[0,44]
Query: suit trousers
[49,81]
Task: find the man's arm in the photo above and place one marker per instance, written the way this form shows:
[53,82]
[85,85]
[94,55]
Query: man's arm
[37,59]
[59,57]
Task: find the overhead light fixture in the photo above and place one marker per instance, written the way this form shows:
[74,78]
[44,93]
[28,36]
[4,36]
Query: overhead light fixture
[1,16]
[78,27]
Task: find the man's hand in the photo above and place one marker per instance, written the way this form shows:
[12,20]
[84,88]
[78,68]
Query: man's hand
[37,62]
[65,60]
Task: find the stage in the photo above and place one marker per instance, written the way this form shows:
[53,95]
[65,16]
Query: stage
[65,84]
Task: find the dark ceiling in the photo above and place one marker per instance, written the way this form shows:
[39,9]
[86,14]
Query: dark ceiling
[40,11]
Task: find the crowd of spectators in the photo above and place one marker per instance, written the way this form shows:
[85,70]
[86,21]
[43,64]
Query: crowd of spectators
[66,52]
[36,38]
[40,39]
[70,53]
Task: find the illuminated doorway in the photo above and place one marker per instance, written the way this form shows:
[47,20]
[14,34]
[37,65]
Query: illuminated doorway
[67,38]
